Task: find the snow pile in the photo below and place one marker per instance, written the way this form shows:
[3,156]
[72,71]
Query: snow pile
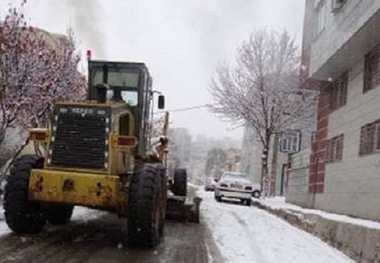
[279,203]
[3,226]
[248,234]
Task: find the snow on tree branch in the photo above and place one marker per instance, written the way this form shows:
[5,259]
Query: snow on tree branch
[262,89]
[36,70]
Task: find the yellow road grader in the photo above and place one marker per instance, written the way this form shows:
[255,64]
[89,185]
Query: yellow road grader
[99,153]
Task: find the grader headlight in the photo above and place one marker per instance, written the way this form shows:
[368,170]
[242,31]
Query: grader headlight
[38,135]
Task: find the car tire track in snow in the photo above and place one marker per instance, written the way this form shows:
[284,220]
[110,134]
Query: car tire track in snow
[253,241]
[248,234]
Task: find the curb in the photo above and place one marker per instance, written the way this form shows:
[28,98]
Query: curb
[360,243]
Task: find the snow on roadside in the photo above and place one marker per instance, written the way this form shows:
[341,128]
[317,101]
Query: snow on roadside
[82,213]
[248,234]
[279,203]
[3,227]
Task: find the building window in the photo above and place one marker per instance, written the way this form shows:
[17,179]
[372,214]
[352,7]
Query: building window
[338,96]
[370,138]
[290,141]
[321,12]
[371,69]
[334,149]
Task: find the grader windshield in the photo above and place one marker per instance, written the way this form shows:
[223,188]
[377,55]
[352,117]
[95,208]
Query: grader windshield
[129,81]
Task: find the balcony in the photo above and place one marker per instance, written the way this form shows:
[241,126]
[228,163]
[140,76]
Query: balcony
[350,34]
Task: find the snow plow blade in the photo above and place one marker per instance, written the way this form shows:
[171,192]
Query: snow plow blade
[177,209]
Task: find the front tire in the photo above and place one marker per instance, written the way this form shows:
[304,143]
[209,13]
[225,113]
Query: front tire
[22,215]
[144,213]
[164,188]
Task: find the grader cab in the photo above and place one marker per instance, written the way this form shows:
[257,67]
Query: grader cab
[99,153]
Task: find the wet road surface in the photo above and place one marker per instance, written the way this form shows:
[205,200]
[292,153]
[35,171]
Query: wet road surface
[95,236]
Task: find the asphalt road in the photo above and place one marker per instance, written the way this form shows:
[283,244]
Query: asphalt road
[95,236]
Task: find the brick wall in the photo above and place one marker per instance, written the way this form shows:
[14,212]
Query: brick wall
[317,158]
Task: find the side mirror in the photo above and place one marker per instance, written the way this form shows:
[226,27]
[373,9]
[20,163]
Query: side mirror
[161,102]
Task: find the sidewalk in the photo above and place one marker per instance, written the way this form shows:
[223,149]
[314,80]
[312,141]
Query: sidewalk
[357,238]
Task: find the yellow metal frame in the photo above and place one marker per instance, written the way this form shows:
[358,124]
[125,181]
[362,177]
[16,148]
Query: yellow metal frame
[92,190]
[112,149]
[100,189]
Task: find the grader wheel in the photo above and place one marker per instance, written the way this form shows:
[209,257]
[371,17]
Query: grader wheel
[144,209]
[21,215]
[179,187]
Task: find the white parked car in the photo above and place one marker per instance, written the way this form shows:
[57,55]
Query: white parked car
[234,185]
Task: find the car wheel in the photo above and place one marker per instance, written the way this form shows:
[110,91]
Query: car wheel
[218,198]
[256,194]
[248,202]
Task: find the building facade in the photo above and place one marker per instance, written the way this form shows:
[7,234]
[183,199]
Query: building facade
[181,146]
[251,162]
[341,59]
[251,156]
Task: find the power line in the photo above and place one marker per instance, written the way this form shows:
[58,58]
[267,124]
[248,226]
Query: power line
[187,108]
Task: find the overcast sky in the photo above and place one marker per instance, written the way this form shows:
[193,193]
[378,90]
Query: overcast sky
[181,41]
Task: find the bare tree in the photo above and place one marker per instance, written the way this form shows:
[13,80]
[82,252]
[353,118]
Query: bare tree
[34,73]
[262,90]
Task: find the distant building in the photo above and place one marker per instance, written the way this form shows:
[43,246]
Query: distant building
[181,146]
[277,161]
[341,59]
[252,165]
[251,156]
[53,40]
[233,160]
[200,149]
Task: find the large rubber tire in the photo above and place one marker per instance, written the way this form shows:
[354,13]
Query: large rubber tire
[179,186]
[144,213]
[58,214]
[164,188]
[22,215]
